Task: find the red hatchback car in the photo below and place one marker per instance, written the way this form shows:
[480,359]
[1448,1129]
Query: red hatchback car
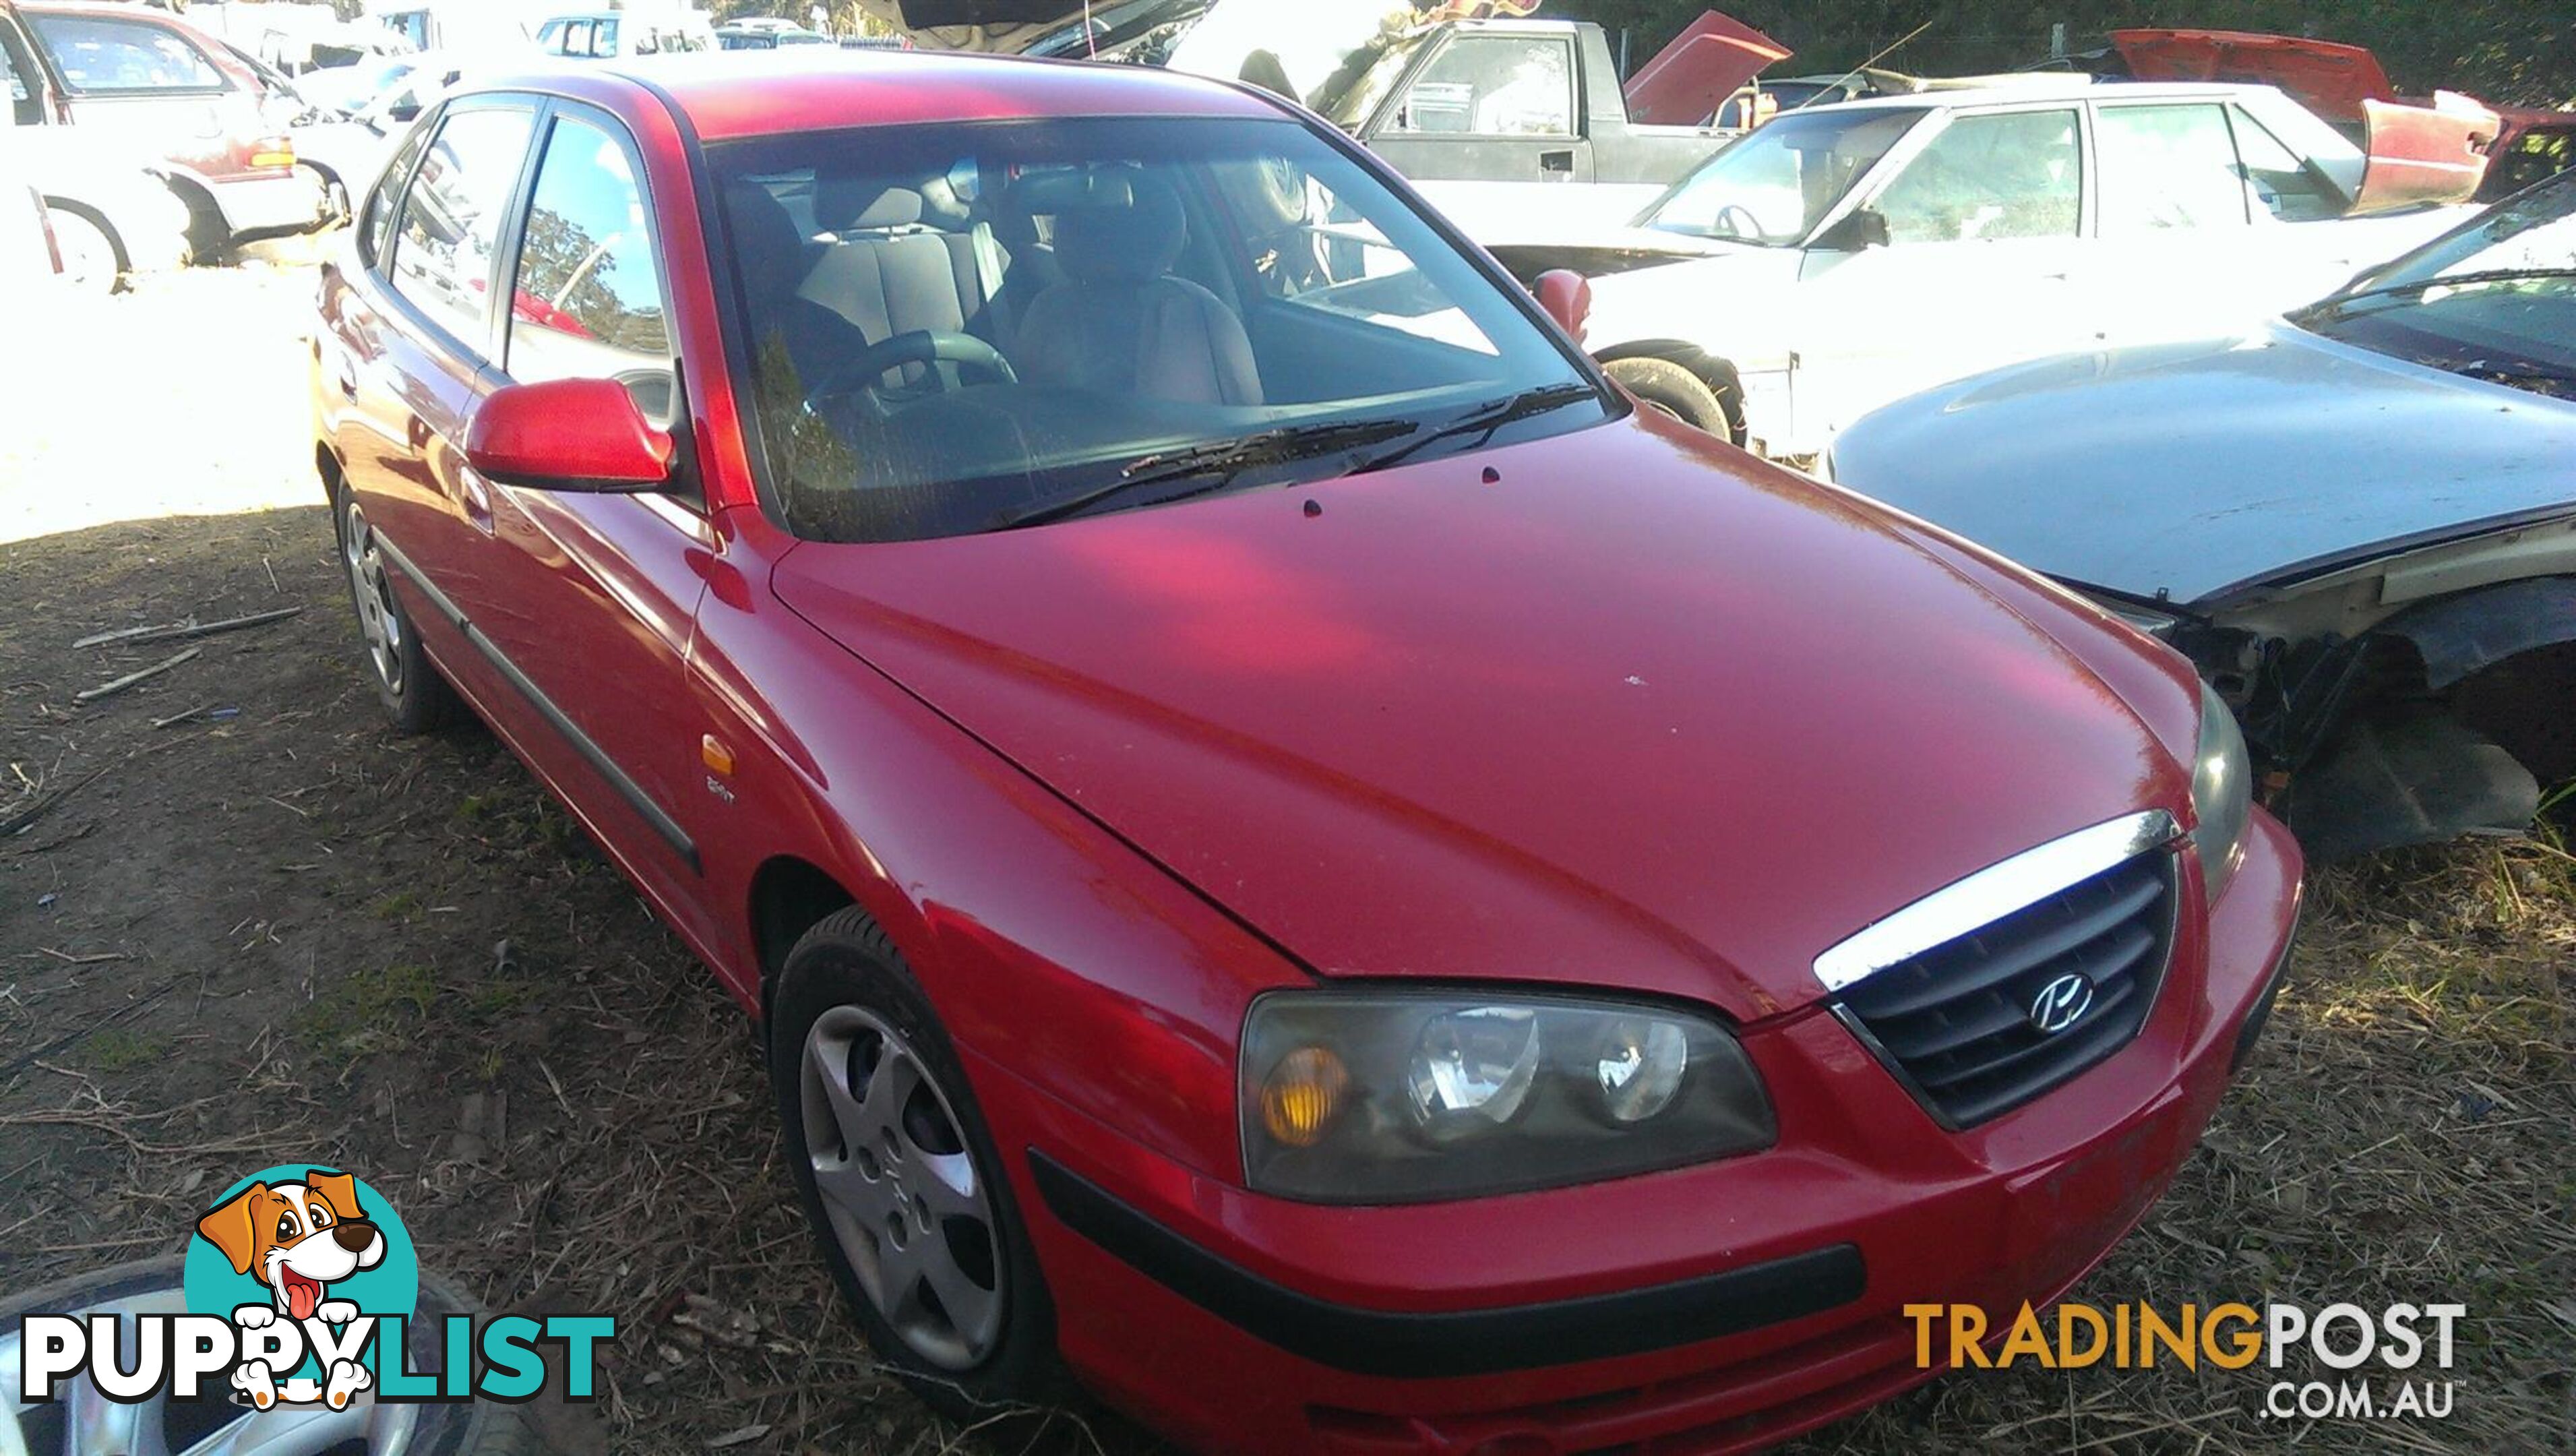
[1299,858]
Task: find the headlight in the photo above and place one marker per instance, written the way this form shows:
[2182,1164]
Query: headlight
[2222,792]
[1404,1096]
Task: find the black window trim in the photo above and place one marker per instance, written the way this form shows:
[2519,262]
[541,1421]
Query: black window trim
[684,487]
[477,356]
[422,129]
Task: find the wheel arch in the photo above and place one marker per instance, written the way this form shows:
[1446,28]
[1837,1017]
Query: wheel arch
[789,895]
[2503,656]
[100,220]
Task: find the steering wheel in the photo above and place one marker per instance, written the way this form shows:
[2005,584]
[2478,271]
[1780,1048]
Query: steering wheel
[921,346]
[1751,226]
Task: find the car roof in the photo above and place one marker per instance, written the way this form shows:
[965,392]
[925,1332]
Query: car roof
[730,94]
[104,11]
[2049,86]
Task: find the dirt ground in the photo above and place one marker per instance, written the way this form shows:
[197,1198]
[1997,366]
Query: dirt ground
[251,927]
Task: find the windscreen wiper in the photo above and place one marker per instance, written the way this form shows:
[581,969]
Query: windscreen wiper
[1214,466]
[1484,419]
[2336,304]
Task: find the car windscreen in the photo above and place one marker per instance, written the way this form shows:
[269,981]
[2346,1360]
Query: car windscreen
[957,328]
[2495,299]
[1773,186]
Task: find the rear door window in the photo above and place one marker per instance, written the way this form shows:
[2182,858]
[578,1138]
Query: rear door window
[2166,167]
[99,54]
[451,219]
[2011,174]
[588,298]
[2283,181]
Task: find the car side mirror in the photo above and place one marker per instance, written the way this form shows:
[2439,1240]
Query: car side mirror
[1567,297]
[403,111]
[1860,228]
[567,434]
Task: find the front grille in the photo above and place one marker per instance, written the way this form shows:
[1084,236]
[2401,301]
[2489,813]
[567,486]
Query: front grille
[1955,1022]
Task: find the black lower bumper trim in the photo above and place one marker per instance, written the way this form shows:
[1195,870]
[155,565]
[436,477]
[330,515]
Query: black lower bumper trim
[1458,1342]
[2261,1016]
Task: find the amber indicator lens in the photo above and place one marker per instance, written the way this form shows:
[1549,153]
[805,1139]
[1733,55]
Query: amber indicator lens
[1303,1093]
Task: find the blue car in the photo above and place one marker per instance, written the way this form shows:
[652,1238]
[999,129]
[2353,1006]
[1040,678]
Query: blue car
[2358,520]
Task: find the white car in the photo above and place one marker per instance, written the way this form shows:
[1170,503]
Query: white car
[1844,256]
[108,214]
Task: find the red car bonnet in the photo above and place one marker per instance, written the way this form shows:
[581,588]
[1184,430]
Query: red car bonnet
[1640,714]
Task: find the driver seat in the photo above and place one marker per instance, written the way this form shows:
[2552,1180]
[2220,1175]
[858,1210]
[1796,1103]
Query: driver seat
[1119,324]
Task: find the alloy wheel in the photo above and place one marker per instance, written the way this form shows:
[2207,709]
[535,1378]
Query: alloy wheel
[906,1202]
[84,1421]
[379,621]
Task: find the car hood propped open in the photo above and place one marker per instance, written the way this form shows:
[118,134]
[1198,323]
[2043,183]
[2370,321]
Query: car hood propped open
[1638,714]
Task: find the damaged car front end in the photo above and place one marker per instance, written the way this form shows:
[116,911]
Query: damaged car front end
[2359,521]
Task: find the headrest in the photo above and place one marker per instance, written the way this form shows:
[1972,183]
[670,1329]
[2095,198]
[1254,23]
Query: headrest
[770,251]
[847,204]
[1118,229]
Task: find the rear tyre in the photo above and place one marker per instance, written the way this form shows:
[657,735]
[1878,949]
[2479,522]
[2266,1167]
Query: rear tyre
[1667,386]
[901,1181]
[93,257]
[416,698]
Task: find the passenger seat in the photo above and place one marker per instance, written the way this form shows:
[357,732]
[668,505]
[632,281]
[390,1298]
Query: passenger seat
[888,271]
[1120,324]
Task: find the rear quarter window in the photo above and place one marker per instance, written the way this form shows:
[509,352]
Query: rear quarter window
[97,54]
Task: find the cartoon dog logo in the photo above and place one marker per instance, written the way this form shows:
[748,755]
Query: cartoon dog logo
[298,1238]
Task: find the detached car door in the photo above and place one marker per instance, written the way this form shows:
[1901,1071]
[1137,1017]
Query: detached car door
[1486,121]
[1983,221]
[586,600]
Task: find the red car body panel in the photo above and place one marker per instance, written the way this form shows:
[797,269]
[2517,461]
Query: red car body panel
[2328,78]
[1839,708]
[1239,652]
[1690,78]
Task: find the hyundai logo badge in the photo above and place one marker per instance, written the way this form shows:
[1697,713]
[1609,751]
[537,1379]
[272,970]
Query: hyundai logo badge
[2061,1003]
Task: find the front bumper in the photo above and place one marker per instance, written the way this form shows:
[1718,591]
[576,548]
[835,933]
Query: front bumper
[1718,1308]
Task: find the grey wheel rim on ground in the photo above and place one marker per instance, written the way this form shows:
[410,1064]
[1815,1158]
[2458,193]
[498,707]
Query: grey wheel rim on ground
[89,254]
[1667,386]
[82,1421]
[906,1203]
[379,621]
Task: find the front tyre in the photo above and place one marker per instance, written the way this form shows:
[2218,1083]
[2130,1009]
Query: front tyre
[1667,386]
[901,1181]
[416,698]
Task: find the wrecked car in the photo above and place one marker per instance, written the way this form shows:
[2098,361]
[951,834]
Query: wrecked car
[1293,854]
[1492,114]
[2359,520]
[1844,256]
